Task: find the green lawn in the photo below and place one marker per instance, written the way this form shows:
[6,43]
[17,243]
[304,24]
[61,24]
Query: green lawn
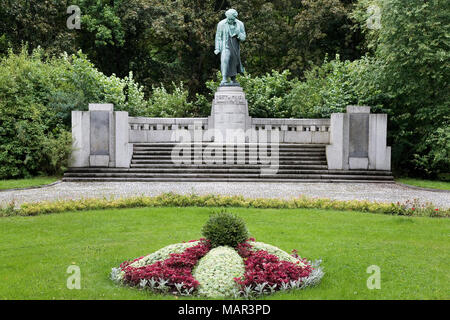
[25,183]
[413,253]
[433,184]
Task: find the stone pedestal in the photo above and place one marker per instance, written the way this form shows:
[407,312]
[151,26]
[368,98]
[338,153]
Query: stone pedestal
[358,141]
[100,138]
[229,114]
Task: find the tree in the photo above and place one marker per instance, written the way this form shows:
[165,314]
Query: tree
[38,23]
[414,48]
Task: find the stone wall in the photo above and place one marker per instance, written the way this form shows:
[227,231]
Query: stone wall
[355,140]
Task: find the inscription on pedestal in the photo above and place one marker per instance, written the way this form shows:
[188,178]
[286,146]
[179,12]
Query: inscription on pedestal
[230,99]
[230,111]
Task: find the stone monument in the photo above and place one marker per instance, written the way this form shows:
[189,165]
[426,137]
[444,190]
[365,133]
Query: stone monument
[229,114]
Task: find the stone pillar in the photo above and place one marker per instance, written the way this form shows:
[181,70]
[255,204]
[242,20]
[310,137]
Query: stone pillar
[229,113]
[358,141]
[100,138]
[123,149]
[81,125]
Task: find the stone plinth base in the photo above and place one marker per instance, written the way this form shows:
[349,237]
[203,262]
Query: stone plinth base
[229,114]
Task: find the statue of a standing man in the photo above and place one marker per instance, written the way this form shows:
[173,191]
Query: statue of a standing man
[230,32]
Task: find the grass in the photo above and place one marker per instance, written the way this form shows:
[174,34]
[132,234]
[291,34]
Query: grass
[432,184]
[413,253]
[26,183]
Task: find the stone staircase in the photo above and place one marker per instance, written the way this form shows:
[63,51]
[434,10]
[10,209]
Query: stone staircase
[297,163]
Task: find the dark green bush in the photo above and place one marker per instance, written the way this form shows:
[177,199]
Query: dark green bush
[37,95]
[225,229]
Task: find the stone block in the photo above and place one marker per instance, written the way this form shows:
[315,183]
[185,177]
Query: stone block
[99,133]
[359,135]
[229,111]
[80,139]
[358,109]
[358,163]
[122,154]
[335,151]
[99,160]
[101,107]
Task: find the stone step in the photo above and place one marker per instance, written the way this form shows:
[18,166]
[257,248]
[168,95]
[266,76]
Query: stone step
[283,162]
[163,146]
[239,146]
[171,165]
[285,153]
[224,157]
[275,180]
[211,169]
[226,175]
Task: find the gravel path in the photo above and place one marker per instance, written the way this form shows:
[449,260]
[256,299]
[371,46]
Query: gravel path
[361,191]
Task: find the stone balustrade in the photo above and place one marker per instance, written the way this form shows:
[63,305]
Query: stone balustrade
[146,130]
[295,130]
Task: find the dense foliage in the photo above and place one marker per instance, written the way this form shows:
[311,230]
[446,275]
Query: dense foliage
[172,41]
[414,46]
[225,229]
[37,95]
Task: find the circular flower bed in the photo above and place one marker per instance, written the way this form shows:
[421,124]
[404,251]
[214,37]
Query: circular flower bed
[196,268]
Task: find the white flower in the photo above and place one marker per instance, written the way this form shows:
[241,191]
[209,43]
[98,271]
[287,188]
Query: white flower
[216,272]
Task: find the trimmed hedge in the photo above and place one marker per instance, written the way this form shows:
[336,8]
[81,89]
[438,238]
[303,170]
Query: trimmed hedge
[410,208]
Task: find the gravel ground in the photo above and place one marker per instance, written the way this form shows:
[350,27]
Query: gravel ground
[360,191]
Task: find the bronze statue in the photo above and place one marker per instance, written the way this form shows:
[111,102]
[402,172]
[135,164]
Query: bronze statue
[230,32]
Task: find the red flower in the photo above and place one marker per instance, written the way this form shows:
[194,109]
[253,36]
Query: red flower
[260,267]
[176,269]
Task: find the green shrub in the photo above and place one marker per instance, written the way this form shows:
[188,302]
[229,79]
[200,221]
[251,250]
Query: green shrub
[266,95]
[225,229]
[165,104]
[332,86]
[37,95]
[192,200]
[433,155]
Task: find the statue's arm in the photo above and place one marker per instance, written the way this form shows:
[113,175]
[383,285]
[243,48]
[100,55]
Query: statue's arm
[242,36]
[218,47]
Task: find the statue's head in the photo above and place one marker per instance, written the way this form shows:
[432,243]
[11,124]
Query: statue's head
[231,15]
